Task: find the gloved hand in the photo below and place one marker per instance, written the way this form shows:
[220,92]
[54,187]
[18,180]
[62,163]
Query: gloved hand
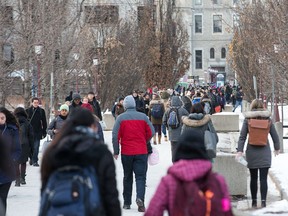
[238,156]
[276,152]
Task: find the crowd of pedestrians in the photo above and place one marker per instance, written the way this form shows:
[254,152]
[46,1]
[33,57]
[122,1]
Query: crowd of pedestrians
[142,119]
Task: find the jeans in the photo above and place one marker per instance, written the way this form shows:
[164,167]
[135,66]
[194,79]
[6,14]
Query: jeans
[164,131]
[238,103]
[35,150]
[138,165]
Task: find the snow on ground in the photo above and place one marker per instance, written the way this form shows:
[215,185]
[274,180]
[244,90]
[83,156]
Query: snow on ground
[24,200]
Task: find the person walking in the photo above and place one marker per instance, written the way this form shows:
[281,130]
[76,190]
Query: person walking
[174,132]
[199,121]
[57,123]
[140,105]
[190,182]
[75,104]
[118,107]
[87,105]
[165,96]
[78,145]
[239,98]
[258,154]
[10,150]
[37,118]
[95,104]
[156,112]
[27,142]
[133,131]
[146,102]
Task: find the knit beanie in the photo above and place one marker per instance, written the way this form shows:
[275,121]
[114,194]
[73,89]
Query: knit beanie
[191,146]
[64,107]
[76,96]
[129,102]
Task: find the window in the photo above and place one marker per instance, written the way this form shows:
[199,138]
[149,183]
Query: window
[107,14]
[198,23]
[223,53]
[198,59]
[7,15]
[198,2]
[8,54]
[216,1]
[217,23]
[212,53]
[235,20]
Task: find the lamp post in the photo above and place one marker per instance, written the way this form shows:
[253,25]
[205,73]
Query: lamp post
[95,64]
[38,52]
[76,57]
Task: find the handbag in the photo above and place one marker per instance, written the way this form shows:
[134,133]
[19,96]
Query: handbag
[218,109]
[153,158]
[45,144]
[210,140]
[103,125]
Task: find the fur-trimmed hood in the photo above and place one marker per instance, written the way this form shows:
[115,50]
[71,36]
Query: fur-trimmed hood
[155,102]
[195,120]
[205,100]
[257,114]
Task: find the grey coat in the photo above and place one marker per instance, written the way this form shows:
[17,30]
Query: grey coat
[198,122]
[56,123]
[174,134]
[257,156]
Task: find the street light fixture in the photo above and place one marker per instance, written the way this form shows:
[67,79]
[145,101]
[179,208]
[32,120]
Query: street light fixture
[38,52]
[95,64]
[76,57]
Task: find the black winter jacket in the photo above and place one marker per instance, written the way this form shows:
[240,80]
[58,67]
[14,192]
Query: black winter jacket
[26,138]
[81,150]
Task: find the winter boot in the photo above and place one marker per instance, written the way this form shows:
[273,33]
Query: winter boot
[23,174]
[22,180]
[159,139]
[154,140]
[17,182]
[263,203]
[254,203]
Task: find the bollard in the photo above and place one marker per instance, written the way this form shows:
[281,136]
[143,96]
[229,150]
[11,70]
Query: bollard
[279,129]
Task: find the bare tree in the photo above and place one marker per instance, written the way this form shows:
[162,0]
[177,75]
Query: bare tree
[259,47]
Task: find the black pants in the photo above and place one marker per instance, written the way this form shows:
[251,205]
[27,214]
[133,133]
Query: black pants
[263,183]
[4,189]
[174,145]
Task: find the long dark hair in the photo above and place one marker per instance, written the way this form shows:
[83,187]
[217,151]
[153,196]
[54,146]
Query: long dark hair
[10,118]
[20,111]
[80,117]
[197,108]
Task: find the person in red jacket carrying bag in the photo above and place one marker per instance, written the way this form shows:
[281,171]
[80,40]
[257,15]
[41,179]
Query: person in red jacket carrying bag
[133,131]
